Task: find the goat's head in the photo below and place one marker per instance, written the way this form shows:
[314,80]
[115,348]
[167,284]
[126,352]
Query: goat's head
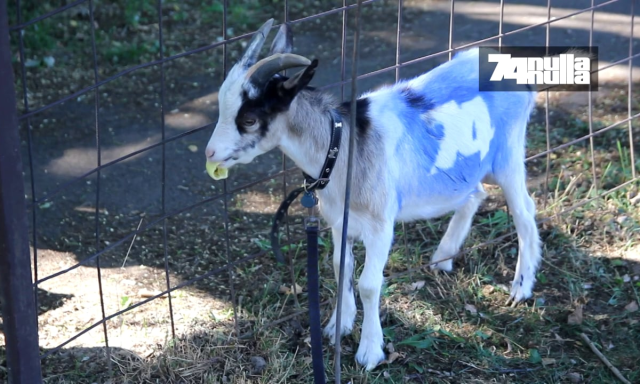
[254,97]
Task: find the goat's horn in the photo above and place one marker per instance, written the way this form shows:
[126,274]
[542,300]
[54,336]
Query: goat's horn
[256,43]
[260,73]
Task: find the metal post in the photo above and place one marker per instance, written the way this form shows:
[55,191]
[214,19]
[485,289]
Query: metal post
[16,290]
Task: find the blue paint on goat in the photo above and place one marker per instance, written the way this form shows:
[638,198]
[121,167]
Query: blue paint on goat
[438,161]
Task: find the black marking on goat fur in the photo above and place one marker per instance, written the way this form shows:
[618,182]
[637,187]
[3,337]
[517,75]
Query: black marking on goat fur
[252,144]
[363,123]
[272,100]
[265,107]
[416,100]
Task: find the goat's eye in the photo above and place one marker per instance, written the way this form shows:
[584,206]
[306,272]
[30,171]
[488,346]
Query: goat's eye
[249,121]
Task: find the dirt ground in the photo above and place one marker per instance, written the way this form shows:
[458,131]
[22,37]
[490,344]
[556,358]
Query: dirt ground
[450,329]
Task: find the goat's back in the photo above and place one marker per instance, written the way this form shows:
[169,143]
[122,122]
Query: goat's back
[442,136]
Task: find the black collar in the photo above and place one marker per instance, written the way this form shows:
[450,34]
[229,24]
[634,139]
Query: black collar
[312,184]
[309,199]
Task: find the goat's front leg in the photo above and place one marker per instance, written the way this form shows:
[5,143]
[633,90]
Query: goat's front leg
[348,312]
[378,244]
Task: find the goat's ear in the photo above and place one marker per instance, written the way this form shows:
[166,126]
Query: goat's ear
[283,43]
[300,80]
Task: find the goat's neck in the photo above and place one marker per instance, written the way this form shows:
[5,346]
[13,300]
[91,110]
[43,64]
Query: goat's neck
[308,131]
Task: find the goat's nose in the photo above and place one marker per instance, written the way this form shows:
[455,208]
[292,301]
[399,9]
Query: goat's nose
[210,152]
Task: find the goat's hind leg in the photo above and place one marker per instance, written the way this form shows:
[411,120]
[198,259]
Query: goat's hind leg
[522,209]
[457,231]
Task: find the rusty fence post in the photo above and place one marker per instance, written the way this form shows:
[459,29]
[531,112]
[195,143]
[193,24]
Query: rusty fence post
[16,289]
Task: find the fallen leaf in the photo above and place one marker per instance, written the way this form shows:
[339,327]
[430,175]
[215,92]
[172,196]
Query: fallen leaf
[621,219]
[626,278]
[488,289]
[534,356]
[125,302]
[508,346]
[29,63]
[471,308]
[289,290]
[631,307]
[392,357]
[576,317]
[284,289]
[390,348]
[193,148]
[145,293]
[417,285]
[386,374]
[548,361]
[258,364]
[49,61]
[574,377]
[298,288]
[46,205]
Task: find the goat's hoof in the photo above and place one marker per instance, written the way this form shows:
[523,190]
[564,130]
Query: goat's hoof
[330,331]
[346,325]
[369,354]
[511,303]
[519,293]
[445,266]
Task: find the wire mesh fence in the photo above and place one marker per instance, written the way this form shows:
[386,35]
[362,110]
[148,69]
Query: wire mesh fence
[115,102]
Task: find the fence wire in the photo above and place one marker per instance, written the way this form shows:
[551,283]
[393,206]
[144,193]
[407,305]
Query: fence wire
[35,199]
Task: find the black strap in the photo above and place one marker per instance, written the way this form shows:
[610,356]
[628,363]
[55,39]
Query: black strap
[313,291]
[277,219]
[332,155]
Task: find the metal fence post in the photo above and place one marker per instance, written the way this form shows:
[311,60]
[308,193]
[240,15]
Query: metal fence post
[16,290]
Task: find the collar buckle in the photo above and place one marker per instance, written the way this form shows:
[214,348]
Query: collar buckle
[310,184]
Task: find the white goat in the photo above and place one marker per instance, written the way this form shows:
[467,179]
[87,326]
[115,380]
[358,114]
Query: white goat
[423,149]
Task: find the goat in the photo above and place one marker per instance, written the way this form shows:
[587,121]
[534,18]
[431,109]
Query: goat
[423,149]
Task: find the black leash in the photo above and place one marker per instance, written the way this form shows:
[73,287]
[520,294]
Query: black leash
[313,290]
[309,200]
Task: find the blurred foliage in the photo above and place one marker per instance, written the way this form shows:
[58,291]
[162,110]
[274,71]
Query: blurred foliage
[126,31]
